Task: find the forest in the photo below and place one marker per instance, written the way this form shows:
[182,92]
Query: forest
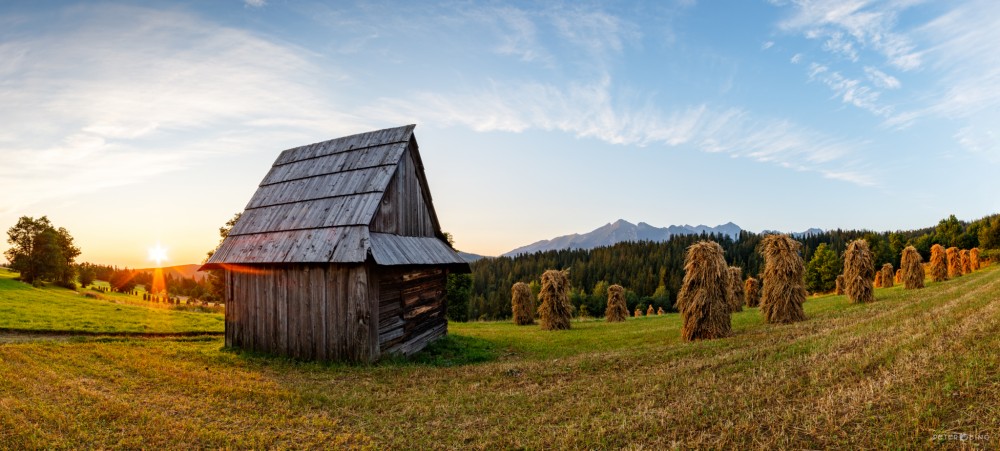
[651,272]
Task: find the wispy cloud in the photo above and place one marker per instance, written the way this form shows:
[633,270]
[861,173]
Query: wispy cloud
[255,3]
[847,25]
[881,79]
[850,91]
[591,110]
[172,90]
[767,45]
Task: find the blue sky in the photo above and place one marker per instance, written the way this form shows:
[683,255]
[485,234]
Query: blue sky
[136,123]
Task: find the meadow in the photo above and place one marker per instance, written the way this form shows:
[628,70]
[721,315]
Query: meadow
[915,369]
[58,310]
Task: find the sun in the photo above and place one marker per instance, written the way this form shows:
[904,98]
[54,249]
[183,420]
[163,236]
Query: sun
[158,254]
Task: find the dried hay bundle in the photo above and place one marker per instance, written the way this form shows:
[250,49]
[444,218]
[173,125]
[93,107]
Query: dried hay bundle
[877,283]
[736,288]
[617,310]
[954,262]
[650,311]
[912,266]
[840,285]
[784,284]
[888,274]
[751,292]
[704,296]
[522,304]
[638,312]
[966,262]
[899,275]
[659,311]
[555,311]
[974,258]
[939,263]
[859,270]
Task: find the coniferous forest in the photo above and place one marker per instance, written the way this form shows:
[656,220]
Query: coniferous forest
[651,272]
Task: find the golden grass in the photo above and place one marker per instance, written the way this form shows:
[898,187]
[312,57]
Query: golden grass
[909,372]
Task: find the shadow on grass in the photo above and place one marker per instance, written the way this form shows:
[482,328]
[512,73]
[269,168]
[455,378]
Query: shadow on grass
[448,351]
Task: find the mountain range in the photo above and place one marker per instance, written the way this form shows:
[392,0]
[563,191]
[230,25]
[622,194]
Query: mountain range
[622,230]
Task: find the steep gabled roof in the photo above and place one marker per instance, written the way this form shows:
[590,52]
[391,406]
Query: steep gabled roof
[317,202]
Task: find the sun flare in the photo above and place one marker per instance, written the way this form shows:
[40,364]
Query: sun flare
[158,254]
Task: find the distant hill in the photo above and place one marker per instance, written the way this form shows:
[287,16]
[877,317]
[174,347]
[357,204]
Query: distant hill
[470,257]
[180,271]
[622,231]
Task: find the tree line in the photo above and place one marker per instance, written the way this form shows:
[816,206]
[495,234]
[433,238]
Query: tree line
[652,272]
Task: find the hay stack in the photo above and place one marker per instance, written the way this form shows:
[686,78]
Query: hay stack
[966,262]
[954,262]
[522,304]
[555,311]
[912,266]
[974,258]
[735,289]
[751,292]
[638,312]
[650,311]
[784,286]
[877,283]
[859,270]
[840,285]
[617,310]
[888,274]
[659,311]
[939,263]
[899,275]
[703,299]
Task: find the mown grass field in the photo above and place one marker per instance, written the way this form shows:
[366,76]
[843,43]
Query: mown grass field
[51,308]
[906,371]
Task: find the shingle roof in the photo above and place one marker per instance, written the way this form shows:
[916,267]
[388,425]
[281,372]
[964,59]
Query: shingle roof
[316,203]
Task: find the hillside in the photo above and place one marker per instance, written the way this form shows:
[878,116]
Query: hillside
[912,370]
[54,309]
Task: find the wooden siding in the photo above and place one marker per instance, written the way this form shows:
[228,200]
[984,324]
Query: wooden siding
[310,312]
[391,250]
[404,209]
[412,308]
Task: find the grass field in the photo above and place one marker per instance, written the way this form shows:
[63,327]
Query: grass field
[912,370]
[51,308]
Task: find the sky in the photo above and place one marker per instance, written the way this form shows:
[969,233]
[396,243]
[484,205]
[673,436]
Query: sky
[137,124]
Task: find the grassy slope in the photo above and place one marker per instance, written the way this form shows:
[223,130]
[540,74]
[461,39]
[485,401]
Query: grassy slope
[887,374]
[51,308]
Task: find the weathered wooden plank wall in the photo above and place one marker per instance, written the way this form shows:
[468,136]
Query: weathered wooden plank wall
[305,311]
[412,308]
[404,209]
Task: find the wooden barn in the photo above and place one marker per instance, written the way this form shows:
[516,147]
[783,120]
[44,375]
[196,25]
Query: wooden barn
[339,254]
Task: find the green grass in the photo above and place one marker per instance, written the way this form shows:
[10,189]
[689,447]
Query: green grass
[905,371]
[50,308]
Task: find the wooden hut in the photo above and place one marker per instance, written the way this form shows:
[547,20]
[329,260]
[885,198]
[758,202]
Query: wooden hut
[339,254]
